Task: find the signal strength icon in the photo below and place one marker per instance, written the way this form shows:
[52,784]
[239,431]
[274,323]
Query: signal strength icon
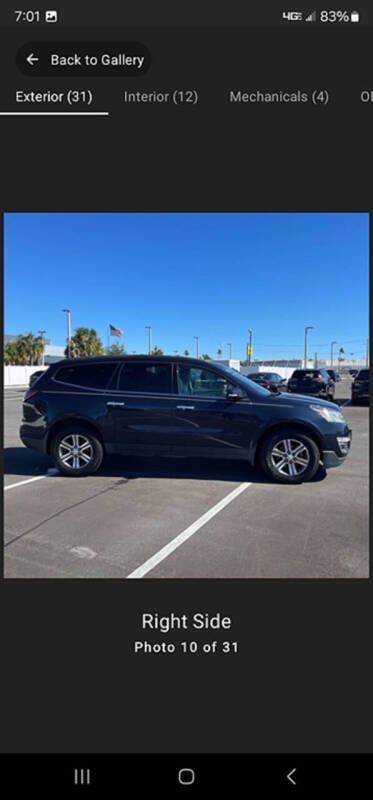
[311,17]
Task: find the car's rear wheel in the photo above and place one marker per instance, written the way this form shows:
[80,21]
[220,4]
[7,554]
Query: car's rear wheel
[76,451]
[289,456]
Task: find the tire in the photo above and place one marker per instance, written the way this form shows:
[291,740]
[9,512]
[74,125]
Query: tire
[330,397]
[286,440]
[78,436]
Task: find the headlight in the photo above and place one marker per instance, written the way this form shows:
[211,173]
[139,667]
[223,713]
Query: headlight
[329,414]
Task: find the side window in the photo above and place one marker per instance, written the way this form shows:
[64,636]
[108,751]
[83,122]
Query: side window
[202,382]
[149,378]
[94,376]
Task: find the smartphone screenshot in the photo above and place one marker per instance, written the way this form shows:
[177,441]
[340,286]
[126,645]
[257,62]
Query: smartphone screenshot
[185,201]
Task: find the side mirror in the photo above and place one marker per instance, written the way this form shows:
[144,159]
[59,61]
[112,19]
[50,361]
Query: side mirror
[234,394]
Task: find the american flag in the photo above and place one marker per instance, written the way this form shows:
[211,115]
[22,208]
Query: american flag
[115,331]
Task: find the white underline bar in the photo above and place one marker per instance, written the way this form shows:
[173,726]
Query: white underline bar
[54,113]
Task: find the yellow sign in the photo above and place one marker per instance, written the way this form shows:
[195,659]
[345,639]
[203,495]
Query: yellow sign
[249,350]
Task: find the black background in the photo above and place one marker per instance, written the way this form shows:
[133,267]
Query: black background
[301,680]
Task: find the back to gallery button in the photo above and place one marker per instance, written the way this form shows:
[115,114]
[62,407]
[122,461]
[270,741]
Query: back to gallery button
[120,59]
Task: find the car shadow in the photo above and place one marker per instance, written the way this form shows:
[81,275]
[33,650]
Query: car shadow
[27,462]
[190,468]
[24,461]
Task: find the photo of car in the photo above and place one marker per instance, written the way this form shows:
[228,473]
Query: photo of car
[82,409]
[270,380]
[360,386]
[202,447]
[312,381]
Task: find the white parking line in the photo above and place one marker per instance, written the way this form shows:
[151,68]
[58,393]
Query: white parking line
[49,474]
[346,403]
[182,537]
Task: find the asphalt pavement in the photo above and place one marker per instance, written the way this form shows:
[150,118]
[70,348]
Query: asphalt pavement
[171,518]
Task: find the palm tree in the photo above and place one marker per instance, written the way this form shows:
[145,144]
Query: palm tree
[26,350]
[85,342]
[115,350]
[157,351]
[206,357]
[186,352]
[11,354]
[37,348]
[219,352]
[24,344]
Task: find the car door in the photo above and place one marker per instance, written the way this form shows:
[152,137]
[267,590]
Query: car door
[141,408]
[207,421]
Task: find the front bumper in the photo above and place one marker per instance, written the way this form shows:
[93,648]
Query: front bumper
[334,458]
[330,459]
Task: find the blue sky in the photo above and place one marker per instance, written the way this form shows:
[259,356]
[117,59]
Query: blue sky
[206,275]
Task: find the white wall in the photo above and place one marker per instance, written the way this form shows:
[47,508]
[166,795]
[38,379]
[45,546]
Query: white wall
[19,376]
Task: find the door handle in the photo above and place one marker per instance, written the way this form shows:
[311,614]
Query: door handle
[115,404]
[185,408]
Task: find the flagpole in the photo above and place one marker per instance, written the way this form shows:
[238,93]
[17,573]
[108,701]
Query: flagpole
[108,334]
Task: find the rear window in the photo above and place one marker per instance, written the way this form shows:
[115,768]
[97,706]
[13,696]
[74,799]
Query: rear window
[93,376]
[363,375]
[305,374]
[141,377]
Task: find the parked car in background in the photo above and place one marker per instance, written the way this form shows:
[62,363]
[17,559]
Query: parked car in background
[334,374]
[270,380]
[35,376]
[353,372]
[360,386]
[312,381]
[82,409]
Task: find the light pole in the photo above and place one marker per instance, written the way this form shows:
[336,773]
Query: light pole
[197,346]
[230,350]
[68,317]
[149,329]
[367,354]
[308,328]
[41,333]
[331,353]
[250,344]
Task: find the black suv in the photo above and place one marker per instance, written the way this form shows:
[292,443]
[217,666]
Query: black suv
[360,386]
[81,409]
[312,381]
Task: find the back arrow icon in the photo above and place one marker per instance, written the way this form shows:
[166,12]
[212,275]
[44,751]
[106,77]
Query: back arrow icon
[31,59]
[290,774]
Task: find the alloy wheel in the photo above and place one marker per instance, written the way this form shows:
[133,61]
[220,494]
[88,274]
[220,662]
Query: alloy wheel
[75,451]
[290,457]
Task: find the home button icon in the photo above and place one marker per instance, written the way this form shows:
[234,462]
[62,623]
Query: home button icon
[186,776]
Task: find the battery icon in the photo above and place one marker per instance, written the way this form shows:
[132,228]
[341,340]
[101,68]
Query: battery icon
[355,16]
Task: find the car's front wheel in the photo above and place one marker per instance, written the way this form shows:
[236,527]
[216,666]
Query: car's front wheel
[289,457]
[76,451]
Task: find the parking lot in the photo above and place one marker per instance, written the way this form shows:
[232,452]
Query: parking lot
[171,518]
